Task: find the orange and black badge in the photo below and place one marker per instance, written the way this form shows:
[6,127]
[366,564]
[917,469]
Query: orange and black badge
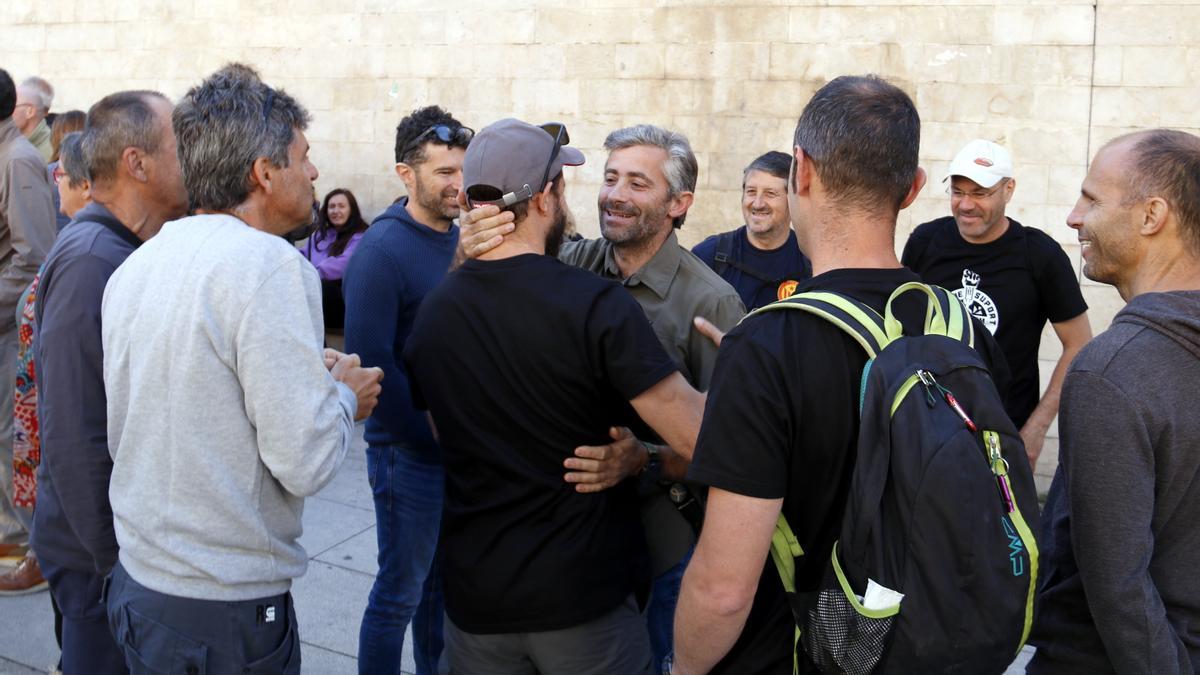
[786,289]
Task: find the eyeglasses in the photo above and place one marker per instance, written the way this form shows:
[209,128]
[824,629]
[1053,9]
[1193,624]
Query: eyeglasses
[975,195]
[479,195]
[449,135]
[59,174]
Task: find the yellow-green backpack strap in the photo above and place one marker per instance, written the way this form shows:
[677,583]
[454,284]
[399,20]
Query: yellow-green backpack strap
[785,548]
[856,319]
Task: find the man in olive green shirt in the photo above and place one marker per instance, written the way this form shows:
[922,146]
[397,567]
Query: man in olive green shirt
[673,287]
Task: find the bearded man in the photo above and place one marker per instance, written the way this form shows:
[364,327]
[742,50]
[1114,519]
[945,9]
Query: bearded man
[403,256]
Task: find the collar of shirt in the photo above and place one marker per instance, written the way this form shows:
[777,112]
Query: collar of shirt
[40,133]
[658,272]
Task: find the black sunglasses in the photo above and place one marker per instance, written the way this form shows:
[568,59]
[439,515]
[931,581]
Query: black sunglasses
[453,136]
[480,195]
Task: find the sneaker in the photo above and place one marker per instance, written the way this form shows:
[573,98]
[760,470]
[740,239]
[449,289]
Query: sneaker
[24,578]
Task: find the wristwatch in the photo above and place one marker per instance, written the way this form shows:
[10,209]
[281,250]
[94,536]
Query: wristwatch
[653,466]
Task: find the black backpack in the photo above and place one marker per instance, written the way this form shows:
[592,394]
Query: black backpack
[939,507]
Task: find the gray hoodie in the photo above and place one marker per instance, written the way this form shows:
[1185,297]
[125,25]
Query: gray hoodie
[1121,546]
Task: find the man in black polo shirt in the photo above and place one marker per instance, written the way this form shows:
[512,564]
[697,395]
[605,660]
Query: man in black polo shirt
[1011,277]
[781,425]
[519,358]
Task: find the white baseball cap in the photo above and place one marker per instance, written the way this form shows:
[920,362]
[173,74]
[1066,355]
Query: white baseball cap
[983,162]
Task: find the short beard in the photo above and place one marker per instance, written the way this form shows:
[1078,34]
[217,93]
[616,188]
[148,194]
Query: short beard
[432,203]
[641,231]
[554,238]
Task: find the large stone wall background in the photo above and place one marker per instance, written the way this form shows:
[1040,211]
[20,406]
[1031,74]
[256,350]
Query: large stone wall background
[1050,80]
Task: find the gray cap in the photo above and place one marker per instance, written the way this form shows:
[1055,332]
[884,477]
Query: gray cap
[510,157]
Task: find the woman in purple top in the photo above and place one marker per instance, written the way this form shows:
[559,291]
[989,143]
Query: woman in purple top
[341,227]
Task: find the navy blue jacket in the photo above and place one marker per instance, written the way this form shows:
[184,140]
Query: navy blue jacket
[396,264]
[73,521]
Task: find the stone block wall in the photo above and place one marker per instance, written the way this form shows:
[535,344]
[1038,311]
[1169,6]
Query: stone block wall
[1050,80]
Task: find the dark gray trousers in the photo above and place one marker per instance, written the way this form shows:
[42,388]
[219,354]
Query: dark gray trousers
[167,634]
[614,643]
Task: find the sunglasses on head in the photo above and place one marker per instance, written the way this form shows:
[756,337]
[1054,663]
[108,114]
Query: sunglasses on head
[447,134]
[481,195]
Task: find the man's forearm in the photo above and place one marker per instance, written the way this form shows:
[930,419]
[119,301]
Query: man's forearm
[722,578]
[1047,408]
[704,630]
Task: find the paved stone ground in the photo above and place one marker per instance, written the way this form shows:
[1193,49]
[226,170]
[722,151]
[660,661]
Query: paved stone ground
[339,535]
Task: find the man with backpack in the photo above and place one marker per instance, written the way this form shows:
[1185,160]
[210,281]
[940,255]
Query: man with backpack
[781,436]
[760,259]
[1122,546]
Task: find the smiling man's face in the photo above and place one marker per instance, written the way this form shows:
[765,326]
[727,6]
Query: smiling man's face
[634,200]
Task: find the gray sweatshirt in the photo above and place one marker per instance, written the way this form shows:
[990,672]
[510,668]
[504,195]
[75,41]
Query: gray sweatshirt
[1121,549]
[221,413]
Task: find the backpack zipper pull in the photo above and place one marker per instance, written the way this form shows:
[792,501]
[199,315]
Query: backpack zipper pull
[999,469]
[927,379]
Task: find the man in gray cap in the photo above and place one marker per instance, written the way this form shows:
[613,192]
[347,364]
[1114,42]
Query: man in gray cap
[523,359]
[649,178]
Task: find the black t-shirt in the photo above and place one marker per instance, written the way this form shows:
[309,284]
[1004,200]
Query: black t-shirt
[520,361]
[782,422]
[783,267]
[1013,285]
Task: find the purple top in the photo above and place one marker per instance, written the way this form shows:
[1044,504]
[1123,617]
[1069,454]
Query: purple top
[331,268]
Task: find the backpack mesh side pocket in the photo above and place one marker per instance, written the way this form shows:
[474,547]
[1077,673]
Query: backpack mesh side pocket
[839,634]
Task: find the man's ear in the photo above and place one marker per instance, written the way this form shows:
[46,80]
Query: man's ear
[914,189]
[407,174]
[1009,187]
[680,204]
[803,171]
[262,172]
[133,159]
[542,200]
[1156,216]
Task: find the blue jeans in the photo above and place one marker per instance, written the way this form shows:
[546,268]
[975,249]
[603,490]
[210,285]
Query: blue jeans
[408,490]
[660,613]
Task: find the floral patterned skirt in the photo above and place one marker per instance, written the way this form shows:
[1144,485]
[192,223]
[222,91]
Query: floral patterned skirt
[27,450]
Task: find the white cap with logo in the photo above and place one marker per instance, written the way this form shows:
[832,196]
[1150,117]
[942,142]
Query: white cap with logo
[983,162]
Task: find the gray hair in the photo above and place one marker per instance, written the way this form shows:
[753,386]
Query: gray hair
[226,123]
[118,121]
[41,90]
[680,168]
[70,158]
